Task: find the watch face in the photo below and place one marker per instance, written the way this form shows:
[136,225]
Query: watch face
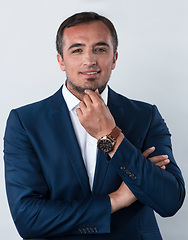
[105,145]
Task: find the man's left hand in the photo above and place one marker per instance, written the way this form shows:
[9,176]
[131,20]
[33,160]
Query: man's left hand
[161,160]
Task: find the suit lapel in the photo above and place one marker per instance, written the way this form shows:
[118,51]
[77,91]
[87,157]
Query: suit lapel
[115,107]
[102,164]
[61,118]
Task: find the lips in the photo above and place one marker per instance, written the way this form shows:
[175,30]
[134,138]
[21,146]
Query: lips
[89,73]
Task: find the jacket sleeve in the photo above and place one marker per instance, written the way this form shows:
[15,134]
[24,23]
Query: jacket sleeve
[34,213]
[162,190]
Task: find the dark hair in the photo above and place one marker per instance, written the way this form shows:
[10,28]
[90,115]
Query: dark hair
[84,17]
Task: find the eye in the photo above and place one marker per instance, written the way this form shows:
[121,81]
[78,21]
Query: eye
[100,50]
[77,50]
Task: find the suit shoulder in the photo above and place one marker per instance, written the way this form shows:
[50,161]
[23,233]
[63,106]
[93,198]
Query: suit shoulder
[135,110]
[132,103]
[138,103]
[34,113]
[39,106]
[35,106]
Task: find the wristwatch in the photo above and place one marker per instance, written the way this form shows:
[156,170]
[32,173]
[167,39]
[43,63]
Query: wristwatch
[106,143]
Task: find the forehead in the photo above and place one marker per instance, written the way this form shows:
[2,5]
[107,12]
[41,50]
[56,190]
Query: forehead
[91,32]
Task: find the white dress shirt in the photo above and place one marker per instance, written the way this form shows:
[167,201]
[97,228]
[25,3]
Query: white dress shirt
[88,144]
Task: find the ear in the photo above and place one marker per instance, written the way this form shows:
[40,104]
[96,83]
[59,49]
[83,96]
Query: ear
[61,62]
[114,60]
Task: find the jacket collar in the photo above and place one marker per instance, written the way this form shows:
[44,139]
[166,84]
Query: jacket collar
[113,100]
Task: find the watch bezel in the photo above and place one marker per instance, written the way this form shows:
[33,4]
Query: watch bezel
[110,141]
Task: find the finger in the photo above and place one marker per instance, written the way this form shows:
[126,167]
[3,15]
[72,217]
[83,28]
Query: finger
[148,151]
[162,163]
[159,158]
[98,94]
[93,95]
[87,100]
[82,105]
[79,113]
[163,167]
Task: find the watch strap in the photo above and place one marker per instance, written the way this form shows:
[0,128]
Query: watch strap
[115,132]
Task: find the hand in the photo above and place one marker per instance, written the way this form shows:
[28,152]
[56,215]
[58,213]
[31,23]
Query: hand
[161,160]
[121,198]
[94,115]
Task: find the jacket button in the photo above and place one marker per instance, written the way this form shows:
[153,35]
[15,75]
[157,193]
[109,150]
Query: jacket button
[128,173]
[122,168]
[134,177]
[95,229]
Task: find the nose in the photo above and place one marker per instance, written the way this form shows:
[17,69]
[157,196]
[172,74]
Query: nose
[90,58]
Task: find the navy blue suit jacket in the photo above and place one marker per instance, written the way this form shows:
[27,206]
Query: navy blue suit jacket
[47,183]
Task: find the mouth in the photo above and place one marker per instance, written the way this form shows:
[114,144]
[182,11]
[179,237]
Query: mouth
[90,73]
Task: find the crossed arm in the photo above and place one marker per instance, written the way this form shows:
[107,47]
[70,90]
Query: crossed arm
[92,109]
[123,197]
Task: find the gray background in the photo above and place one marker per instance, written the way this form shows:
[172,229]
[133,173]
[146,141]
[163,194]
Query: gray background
[152,67]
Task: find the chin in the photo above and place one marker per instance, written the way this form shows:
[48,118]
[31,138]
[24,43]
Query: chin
[95,88]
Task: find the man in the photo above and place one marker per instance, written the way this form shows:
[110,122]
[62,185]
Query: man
[76,163]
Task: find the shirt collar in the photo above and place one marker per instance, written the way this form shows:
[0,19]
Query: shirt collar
[72,101]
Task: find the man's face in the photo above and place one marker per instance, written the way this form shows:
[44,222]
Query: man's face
[88,57]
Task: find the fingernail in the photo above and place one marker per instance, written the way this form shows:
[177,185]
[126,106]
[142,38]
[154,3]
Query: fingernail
[167,160]
[165,156]
[152,147]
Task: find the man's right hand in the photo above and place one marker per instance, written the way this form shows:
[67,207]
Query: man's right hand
[123,197]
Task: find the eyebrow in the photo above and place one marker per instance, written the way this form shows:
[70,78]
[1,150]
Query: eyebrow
[76,45]
[102,44]
[82,45]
